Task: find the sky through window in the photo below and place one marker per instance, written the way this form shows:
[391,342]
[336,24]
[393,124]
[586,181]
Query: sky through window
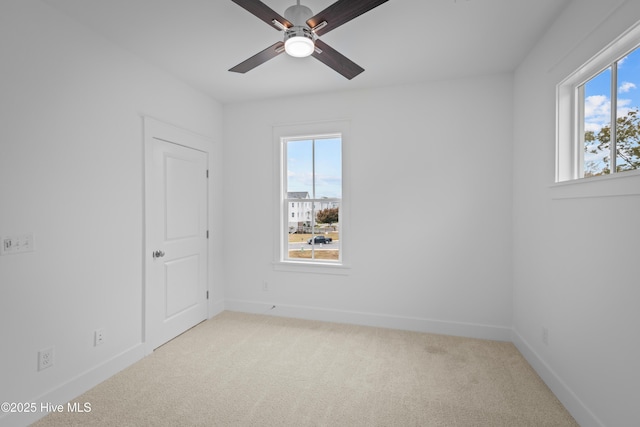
[328,173]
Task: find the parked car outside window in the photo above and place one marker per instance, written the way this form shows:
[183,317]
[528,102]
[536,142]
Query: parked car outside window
[319,239]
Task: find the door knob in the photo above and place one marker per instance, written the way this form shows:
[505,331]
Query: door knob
[158,254]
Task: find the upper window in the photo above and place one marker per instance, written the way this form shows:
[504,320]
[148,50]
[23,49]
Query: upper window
[312,188]
[599,113]
[611,148]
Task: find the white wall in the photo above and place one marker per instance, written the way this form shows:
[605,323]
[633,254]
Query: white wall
[440,153]
[571,276]
[430,169]
[71,172]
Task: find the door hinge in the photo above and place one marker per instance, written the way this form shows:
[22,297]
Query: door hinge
[207,234]
[207,173]
[207,294]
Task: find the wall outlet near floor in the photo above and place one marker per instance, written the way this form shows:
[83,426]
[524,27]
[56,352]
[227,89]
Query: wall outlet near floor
[45,358]
[545,336]
[265,286]
[98,337]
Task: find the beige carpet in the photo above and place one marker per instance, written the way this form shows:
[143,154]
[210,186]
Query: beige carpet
[255,370]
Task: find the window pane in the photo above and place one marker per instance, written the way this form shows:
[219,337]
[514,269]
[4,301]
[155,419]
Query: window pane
[327,229]
[627,121]
[319,242]
[597,124]
[300,168]
[328,160]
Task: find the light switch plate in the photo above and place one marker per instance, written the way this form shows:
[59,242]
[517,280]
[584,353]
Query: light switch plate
[17,243]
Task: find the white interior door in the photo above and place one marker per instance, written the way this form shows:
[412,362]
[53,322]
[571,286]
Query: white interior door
[176,241]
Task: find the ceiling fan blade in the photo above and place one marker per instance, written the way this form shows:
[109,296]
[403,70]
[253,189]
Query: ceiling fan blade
[340,12]
[263,12]
[334,59]
[259,58]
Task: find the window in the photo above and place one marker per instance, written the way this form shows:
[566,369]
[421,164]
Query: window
[312,186]
[599,113]
[611,148]
[310,176]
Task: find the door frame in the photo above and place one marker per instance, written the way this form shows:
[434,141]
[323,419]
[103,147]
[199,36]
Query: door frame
[155,129]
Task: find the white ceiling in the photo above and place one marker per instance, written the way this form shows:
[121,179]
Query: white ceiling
[199,40]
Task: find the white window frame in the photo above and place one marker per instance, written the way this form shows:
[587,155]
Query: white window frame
[570,126]
[315,130]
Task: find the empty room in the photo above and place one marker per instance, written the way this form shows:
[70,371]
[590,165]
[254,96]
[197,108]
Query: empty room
[319,212]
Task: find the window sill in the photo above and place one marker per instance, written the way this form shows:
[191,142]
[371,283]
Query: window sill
[308,267]
[616,185]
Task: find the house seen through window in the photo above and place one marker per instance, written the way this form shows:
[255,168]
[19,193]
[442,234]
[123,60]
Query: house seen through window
[312,197]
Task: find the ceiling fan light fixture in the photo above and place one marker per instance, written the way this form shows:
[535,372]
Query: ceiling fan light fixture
[299,42]
[299,47]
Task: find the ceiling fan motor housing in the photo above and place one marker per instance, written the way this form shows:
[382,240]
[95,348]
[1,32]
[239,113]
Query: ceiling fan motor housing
[298,15]
[299,32]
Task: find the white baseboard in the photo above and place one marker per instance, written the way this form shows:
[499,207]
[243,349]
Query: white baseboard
[569,399]
[76,386]
[498,333]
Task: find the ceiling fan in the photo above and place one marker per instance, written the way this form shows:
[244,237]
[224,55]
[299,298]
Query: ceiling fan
[301,30]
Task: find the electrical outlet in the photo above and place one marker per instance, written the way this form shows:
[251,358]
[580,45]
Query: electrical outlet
[265,286]
[98,337]
[45,358]
[545,336]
